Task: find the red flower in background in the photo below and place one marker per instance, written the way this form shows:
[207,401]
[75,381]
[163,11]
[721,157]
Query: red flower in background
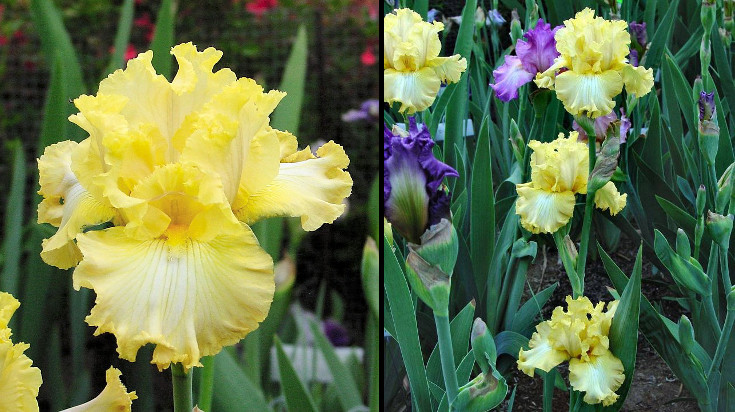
[144,23]
[259,7]
[130,52]
[367,58]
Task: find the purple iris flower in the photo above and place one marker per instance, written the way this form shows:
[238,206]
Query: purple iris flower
[707,108]
[534,55]
[336,333]
[494,18]
[602,123]
[368,111]
[633,57]
[638,31]
[412,196]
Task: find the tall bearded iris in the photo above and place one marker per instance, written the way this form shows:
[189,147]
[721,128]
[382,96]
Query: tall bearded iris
[559,171]
[412,68]
[579,335]
[180,170]
[412,175]
[592,67]
[534,55]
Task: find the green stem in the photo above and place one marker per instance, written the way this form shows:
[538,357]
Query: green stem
[722,343]
[206,384]
[549,390]
[568,264]
[587,222]
[447,357]
[724,270]
[182,388]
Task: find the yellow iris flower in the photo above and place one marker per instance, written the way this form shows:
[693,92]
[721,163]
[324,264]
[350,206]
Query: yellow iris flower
[19,381]
[412,68]
[113,398]
[559,171]
[579,335]
[180,170]
[592,66]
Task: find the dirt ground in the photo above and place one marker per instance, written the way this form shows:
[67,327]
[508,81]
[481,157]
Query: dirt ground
[654,387]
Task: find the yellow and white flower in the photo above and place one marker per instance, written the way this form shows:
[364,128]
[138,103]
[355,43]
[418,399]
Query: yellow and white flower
[180,170]
[592,67]
[412,68]
[579,335]
[559,171]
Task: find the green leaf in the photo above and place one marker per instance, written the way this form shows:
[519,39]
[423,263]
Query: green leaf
[662,36]
[624,329]
[510,343]
[482,206]
[297,397]
[683,93]
[523,321]
[163,38]
[682,219]
[684,272]
[233,389]
[349,395]
[122,37]
[12,252]
[287,115]
[406,331]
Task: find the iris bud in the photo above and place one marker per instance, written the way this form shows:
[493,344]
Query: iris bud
[483,393]
[686,334]
[719,228]
[483,345]
[683,248]
[516,32]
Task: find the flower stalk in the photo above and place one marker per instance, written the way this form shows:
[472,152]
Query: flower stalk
[206,384]
[182,382]
[446,353]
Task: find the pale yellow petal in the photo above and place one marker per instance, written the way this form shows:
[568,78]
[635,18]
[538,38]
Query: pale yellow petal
[541,353]
[638,80]
[449,69]
[312,189]
[189,300]
[588,94]
[115,397]
[608,198]
[19,380]
[415,91]
[599,378]
[8,306]
[542,211]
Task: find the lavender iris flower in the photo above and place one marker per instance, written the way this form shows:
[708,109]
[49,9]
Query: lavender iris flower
[368,111]
[494,18]
[535,54]
[638,32]
[336,333]
[412,198]
[602,123]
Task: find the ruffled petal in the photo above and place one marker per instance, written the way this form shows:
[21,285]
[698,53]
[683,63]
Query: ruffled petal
[415,91]
[590,95]
[509,78]
[189,300]
[8,305]
[449,69]
[66,204]
[20,380]
[115,397]
[537,49]
[542,211]
[599,378]
[638,80]
[608,198]
[542,353]
[306,186]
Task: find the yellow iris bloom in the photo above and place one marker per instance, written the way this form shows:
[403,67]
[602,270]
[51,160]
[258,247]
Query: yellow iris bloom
[19,381]
[180,170]
[115,397]
[559,171]
[579,335]
[412,68]
[593,51]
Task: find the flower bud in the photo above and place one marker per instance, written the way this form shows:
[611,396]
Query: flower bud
[429,266]
[707,108]
[483,393]
[516,32]
[684,271]
[388,231]
[516,142]
[607,161]
[569,245]
[709,131]
[683,248]
[701,200]
[494,18]
[686,334]
[719,228]
[724,189]
[638,33]
[707,15]
[483,345]
[370,273]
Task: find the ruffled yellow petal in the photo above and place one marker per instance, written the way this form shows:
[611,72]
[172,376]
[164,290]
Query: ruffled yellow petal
[449,69]
[8,306]
[599,378]
[608,198]
[561,165]
[588,94]
[638,80]
[566,332]
[306,186]
[19,380]
[542,211]
[66,204]
[115,397]
[542,353]
[415,90]
[189,300]
[397,27]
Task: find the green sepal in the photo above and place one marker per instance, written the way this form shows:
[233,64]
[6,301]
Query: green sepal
[483,345]
[683,247]
[481,394]
[516,141]
[720,228]
[686,334]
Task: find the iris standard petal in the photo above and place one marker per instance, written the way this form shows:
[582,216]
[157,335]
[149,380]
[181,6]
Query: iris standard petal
[189,300]
[542,211]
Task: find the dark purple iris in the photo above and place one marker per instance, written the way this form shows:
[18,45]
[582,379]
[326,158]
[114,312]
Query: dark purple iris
[336,333]
[707,109]
[412,198]
[638,32]
[534,55]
